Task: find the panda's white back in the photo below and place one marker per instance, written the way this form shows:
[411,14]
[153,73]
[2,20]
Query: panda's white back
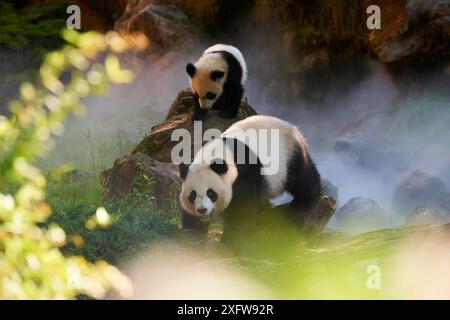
[289,139]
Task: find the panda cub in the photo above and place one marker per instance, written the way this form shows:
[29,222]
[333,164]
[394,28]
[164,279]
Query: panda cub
[218,181]
[217,80]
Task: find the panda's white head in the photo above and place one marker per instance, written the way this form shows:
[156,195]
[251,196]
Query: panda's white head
[207,189]
[208,76]
[218,64]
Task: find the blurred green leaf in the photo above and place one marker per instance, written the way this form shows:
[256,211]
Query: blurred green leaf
[32,266]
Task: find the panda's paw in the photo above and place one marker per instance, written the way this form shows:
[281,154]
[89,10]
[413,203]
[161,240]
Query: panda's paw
[199,113]
[198,117]
[226,114]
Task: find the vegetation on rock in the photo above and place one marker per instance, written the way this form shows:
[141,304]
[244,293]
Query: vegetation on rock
[26,35]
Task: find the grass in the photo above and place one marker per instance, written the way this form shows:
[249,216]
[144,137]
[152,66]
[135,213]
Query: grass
[331,265]
[337,266]
[74,198]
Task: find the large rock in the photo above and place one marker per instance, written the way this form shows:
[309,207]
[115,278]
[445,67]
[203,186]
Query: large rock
[140,171]
[410,29]
[149,164]
[361,215]
[426,216]
[420,190]
[158,144]
[167,27]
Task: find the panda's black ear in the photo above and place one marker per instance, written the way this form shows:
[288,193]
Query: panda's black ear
[190,69]
[217,74]
[184,168]
[219,166]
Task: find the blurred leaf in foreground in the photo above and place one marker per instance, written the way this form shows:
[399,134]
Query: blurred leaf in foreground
[31,263]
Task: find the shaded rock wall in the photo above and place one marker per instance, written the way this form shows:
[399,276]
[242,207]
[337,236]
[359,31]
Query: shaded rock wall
[411,30]
[312,42]
[166,26]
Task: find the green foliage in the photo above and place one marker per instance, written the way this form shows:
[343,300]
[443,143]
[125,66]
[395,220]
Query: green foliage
[337,25]
[26,35]
[31,262]
[334,266]
[74,199]
[31,26]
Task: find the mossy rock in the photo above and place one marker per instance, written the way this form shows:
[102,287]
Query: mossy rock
[157,143]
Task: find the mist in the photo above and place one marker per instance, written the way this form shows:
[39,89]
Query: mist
[115,122]
[365,133]
[177,272]
[370,129]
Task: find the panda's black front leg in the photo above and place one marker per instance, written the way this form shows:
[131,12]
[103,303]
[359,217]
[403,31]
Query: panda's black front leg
[230,103]
[189,222]
[199,113]
[227,114]
[229,108]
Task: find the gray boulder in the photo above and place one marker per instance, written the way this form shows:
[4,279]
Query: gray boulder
[166,26]
[420,190]
[361,215]
[426,216]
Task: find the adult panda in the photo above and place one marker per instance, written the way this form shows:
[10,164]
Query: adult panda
[217,80]
[225,175]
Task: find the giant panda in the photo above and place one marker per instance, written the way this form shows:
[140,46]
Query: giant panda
[217,80]
[216,183]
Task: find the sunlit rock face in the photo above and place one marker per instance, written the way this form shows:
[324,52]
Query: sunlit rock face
[166,26]
[158,143]
[410,30]
[420,190]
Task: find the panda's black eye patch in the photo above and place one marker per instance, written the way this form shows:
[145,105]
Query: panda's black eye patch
[210,95]
[212,195]
[192,196]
